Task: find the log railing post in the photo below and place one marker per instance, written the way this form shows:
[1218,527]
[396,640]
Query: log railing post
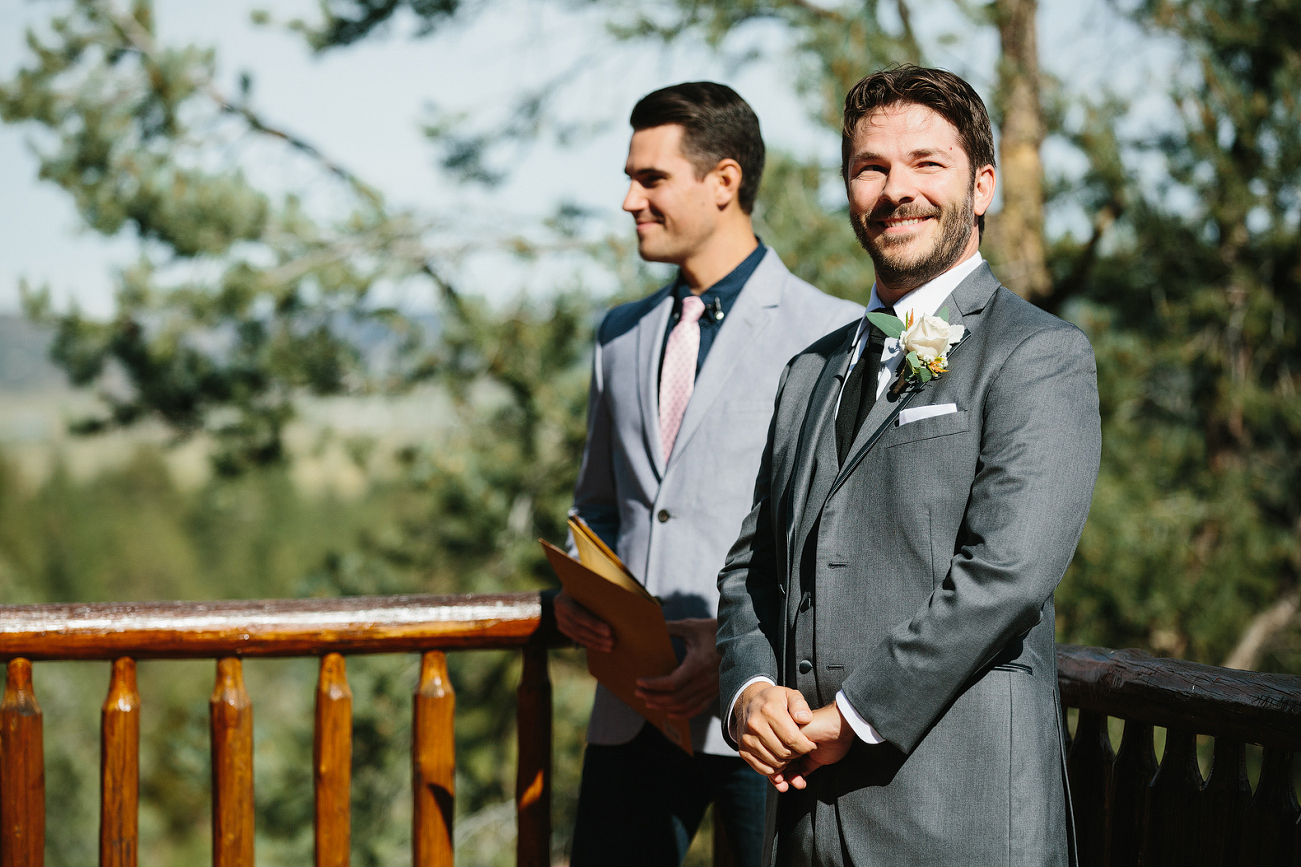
[119,768]
[433,763]
[1269,832]
[1130,776]
[22,771]
[332,763]
[1224,805]
[231,715]
[1088,767]
[1174,804]
[533,773]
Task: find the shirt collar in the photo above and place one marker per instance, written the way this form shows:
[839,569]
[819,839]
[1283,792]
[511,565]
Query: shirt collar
[925,299]
[727,289]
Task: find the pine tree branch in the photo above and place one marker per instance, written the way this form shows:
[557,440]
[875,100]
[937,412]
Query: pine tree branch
[819,12]
[1078,279]
[143,42]
[909,37]
[1263,627]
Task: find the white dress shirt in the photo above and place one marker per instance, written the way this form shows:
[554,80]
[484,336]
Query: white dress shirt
[925,300]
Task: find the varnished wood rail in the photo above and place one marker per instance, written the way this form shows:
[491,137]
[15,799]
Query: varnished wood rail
[1131,811]
[272,627]
[228,632]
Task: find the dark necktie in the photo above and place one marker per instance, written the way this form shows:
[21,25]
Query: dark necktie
[859,394]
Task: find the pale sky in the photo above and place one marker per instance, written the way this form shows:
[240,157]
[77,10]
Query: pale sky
[364,105]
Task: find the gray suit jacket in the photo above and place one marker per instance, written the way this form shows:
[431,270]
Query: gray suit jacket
[918,578]
[672,518]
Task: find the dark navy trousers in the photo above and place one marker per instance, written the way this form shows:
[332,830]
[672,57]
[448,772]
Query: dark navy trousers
[641,802]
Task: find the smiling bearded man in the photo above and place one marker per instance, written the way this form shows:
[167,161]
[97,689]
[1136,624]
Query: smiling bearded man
[886,618]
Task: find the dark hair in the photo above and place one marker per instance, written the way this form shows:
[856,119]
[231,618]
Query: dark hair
[937,89]
[716,125]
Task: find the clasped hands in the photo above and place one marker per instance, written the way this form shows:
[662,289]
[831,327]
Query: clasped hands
[688,690]
[783,739]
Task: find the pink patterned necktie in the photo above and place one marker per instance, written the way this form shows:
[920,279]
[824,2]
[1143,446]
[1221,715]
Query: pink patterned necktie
[678,373]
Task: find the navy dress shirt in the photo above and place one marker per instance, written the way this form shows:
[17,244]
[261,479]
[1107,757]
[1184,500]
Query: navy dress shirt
[718,298]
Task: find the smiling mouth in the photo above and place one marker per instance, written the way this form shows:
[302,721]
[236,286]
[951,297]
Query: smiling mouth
[904,222]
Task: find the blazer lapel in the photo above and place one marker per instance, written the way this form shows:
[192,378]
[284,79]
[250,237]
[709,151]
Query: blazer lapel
[650,346]
[751,314]
[965,303]
[815,466]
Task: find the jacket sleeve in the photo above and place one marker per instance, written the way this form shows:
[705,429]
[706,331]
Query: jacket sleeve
[751,593]
[1039,453]
[595,498]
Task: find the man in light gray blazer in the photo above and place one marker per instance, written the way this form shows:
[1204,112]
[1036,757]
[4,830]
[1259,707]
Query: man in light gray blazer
[682,392]
[886,616]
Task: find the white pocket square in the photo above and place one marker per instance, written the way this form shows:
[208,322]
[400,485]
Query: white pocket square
[917,413]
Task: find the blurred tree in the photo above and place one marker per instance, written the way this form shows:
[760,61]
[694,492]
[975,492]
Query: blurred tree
[1194,310]
[1186,281]
[241,298]
[245,299]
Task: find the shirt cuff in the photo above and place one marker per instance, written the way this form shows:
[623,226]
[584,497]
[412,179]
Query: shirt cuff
[731,718]
[861,727]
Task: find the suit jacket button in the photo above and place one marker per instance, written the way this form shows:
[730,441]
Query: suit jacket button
[663,515]
[805,666]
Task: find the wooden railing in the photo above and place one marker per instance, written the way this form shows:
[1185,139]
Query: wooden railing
[1129,810]
[231,631]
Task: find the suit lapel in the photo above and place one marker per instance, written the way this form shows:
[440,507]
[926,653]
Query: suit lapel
[965,304]
[816,460]
[751,314]
[650,346]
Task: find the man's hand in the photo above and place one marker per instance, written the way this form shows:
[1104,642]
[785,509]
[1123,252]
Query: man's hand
[582,626]
[832,735]
[692,687]
[768,722]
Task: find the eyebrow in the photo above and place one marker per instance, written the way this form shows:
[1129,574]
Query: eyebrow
[920,152]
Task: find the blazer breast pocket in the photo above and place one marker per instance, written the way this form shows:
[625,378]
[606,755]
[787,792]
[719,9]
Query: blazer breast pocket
[927,428]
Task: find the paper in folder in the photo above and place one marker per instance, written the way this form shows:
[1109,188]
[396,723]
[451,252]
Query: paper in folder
[603,585]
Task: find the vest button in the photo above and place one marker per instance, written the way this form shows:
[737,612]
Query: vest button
[663,515]
[805,666]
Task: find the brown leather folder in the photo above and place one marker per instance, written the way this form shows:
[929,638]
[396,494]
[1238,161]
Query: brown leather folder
[603,585]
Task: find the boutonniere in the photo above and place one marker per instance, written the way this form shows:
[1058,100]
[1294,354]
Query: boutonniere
[926,340]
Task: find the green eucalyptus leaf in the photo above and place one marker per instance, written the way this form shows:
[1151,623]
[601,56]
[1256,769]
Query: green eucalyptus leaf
[914,362]
[925,374]
[891,325]
[944,313]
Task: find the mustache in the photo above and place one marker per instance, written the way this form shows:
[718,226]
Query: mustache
[901,212]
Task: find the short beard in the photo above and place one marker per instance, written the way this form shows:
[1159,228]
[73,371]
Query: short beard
[956,226]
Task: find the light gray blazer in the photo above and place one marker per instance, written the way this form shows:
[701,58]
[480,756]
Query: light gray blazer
[929,562]
[672,519]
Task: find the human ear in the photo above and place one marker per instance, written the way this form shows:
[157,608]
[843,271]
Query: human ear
[983,189]
[726,178]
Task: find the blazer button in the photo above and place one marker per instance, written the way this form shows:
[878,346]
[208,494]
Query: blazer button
[663,515]
[805,666]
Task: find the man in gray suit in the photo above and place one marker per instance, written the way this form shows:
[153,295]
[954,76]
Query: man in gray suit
[886,616]
[682,392]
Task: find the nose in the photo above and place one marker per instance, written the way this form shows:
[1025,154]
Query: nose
[898,188]
[635,200]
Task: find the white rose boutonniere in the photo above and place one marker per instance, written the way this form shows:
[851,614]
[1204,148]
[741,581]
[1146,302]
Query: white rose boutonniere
[926,340]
